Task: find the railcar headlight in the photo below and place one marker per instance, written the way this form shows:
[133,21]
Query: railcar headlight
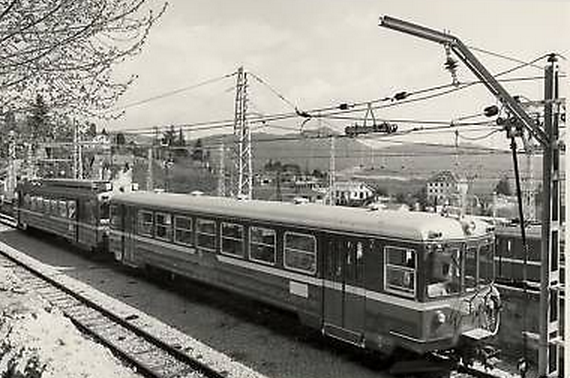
[439,318]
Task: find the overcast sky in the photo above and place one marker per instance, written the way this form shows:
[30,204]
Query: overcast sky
[320,53]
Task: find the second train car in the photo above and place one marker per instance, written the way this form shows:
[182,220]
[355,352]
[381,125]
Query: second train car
[76,210]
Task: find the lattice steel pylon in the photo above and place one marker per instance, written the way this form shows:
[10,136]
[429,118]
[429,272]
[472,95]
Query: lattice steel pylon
[242,177]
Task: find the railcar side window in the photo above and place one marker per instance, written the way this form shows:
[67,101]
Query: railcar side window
[145,223]
[115,219]
[206,232]
[232,238]
[262,245]
[163,226]
[33,203]
[53,207]
[183,230]
[400,273]
[46,206]
[300,252]
[71,209]
[62,209]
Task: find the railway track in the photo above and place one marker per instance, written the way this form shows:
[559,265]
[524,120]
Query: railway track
[7,220]
[151,356]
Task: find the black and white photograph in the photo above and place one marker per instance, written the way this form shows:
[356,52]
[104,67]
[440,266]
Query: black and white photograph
[284,189]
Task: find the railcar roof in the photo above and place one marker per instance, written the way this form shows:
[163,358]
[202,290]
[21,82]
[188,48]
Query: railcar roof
[388,223]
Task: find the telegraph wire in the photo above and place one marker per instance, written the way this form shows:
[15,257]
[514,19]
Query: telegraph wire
[173,92]
[273,90]
[506,57]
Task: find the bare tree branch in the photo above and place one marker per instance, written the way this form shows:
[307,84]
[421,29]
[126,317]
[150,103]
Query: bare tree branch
[65,50]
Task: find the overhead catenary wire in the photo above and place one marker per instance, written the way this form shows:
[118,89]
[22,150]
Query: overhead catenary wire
[352,106]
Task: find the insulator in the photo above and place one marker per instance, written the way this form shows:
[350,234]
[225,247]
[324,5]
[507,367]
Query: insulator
[491,111]
[400,96]
[343,106]
[451,65]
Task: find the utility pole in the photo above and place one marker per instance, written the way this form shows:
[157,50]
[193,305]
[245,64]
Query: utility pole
[549,310]
[222,173]
[242,185]
[567,255]
[332,173]
[549,138]
[31,161]
[80,160]
[528,187]
[149,178]
[11,182]
[75,150]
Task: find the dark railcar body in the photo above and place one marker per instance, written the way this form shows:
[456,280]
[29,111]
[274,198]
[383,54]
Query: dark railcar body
[76,210]
[361,276]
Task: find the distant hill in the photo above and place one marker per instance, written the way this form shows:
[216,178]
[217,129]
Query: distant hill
[407,160]
[398,164]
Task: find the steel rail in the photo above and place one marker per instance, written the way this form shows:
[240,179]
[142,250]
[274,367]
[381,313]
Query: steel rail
[77,303]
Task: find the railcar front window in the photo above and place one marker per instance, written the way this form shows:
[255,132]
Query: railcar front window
[300,252]
[470,268]
[486,266]
[115,217]
[206,232]
[232,239]
[104,212]
[400,270]
[262,245]
[444,272]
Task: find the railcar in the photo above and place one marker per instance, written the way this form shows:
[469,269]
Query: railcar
[509,256]
[76,210]
[376,279]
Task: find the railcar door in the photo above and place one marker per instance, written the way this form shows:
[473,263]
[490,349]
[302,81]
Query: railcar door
[343,297]
[129,244]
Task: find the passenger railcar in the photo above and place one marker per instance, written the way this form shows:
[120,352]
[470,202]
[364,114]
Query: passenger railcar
[509,257]
[77,210]
[376,279]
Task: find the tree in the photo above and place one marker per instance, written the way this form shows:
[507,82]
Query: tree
[422,198]
[169,137]
[181,140]
[91,131]
[503,186]
[39,127]
[65,50]
[120,139]
[198,153]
